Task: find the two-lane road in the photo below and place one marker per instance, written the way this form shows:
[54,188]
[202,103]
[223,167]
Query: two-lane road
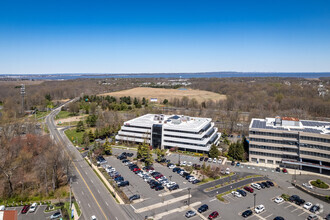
[89,191]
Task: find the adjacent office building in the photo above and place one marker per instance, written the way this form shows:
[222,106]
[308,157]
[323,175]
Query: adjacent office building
[171,131]
[294,143]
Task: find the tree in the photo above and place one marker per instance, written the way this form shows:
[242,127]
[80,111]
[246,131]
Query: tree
[74,108]
[135,102]
[214,152]
[107,147]
[92,108]
[48,97]
[160,154]
[80,126]
[144,101]
[139,152]
[86,140]
[236,150]
[165,101]
[91,120]
[91,136]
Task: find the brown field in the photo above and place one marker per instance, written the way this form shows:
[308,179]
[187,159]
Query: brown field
[169,94]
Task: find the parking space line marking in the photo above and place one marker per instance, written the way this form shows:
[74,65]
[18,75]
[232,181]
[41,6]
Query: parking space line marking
[301,213]
[212,200]
[269,215]
[288,206]
[295,210]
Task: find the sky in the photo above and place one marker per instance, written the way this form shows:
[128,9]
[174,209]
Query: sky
[57,36]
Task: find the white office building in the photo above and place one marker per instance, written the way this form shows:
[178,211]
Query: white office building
[171,131]
[287,141]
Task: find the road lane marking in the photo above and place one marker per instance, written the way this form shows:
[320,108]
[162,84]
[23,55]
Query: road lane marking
[92,181]
[99,191]
[89,205]
[116,218]
[61,142]
[213,200]
[107,203]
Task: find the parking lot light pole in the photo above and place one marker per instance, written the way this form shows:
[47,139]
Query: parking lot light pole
[170,178]
[189,196]
[255,195]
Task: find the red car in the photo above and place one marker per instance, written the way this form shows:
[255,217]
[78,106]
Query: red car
[249,189]
[284,170]
[25,209]
[136,169]
[213,215]
[159,176]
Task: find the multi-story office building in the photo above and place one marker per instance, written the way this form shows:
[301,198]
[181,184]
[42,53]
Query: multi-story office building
[171,131]
[299,144]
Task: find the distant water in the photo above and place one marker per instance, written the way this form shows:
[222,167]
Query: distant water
[164,75]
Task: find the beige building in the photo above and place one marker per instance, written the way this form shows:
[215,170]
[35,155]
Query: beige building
[290,142]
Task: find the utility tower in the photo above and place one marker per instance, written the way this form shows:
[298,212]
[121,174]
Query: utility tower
[23,95]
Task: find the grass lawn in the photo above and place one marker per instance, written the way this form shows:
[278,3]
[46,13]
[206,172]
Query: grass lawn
[63,114]
[74,136]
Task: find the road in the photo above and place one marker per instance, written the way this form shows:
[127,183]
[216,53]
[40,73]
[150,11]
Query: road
[92,196]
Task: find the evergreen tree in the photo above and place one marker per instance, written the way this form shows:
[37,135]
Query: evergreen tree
[91,136]
[135,102]
[139,152]
[107,147]
[165,101]
[86,140]
[80,126]
[214,152]
[144,101]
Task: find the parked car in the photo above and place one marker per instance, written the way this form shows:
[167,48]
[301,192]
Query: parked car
[308,205]
[284,170]
[300,201]
[206,159]
[213,215]
[201,158]
[159,187]
[236,194]
[183,163]
[233,163]
[270,183]
[238,164]
[203,208]
[314,208]
[176,169]
[219,161]
[243,193]
[266,184]
[259,209]
[172,166]
[256,186]
[278,218]
[124,183]
[293,198]
[209,160]
[262,185]
[190,213]
[215,160]
[33,207]
[176,186]
[25,209]
[195,181]
[312,217]
[249,189]
[279,200]
[56,215]
[278,169]
[134,197]
[93,217]
[247,213]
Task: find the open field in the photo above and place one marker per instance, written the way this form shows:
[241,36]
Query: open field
[161,94]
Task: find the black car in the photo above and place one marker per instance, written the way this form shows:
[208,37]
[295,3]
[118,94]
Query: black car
[278,169]
[201,158]
[174,187]
[154,185]
[278,218]
[185,174]
[155,174]
[203,208]
[125,161]
[328,217]
[266,184]
[243,193]
[233,163]
[314,208]
[188,176]
[152,182]
[293,198]
[124,183]
[179,170]
[300,201]
[270,183]
[262,185]
[119,179]
[159,187]
[195,181]
[134,197]
[176,169]
[206,159]
[129,154]
[247,213]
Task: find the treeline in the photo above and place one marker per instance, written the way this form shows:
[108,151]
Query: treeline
[30,165]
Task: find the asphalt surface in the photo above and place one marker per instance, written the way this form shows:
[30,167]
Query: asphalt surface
[89,191]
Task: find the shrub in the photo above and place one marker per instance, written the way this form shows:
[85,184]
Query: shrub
[285,197]
[320,184]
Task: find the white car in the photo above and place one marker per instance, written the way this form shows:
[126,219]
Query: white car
[183,163]
[140,174]
[172,166]
[259,208]
[215,160]
[307,185]
[33,207]
[308,205]
[256,186]
[192,179]
[170,184]
[151,171]
[236,194]
[93,217]
[220,161]
[227,171]
[147,179]
[279,200]
[189,164]
[210,160]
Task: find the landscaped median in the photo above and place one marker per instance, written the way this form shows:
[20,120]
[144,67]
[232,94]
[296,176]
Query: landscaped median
[230,182]
[105,182]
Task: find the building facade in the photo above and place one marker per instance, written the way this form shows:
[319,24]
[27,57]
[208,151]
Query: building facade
[171,131]
[290,142]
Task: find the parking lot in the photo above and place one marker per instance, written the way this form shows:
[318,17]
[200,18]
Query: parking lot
[174,205]
[39,214]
